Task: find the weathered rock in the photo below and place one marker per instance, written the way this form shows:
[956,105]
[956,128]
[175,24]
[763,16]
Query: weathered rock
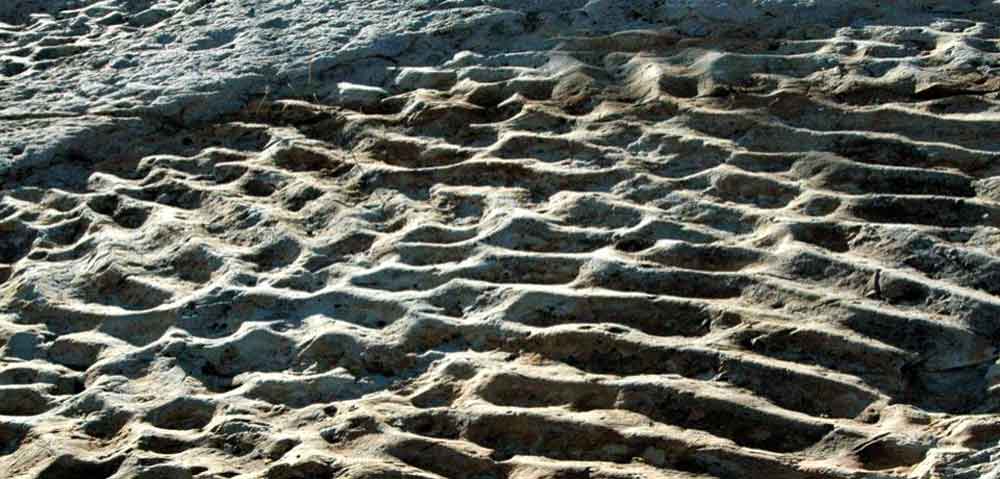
[498,239]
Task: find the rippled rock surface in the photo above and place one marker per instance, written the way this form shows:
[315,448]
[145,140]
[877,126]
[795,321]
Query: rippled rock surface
[499,239]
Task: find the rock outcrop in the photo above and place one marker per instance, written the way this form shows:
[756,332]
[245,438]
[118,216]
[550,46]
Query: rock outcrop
[499,239]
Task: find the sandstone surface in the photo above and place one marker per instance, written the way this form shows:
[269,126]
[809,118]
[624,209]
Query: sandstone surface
[499,239]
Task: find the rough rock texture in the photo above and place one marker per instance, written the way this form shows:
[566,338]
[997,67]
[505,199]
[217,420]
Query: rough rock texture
[499,239]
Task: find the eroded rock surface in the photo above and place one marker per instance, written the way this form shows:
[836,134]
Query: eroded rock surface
[499,239]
